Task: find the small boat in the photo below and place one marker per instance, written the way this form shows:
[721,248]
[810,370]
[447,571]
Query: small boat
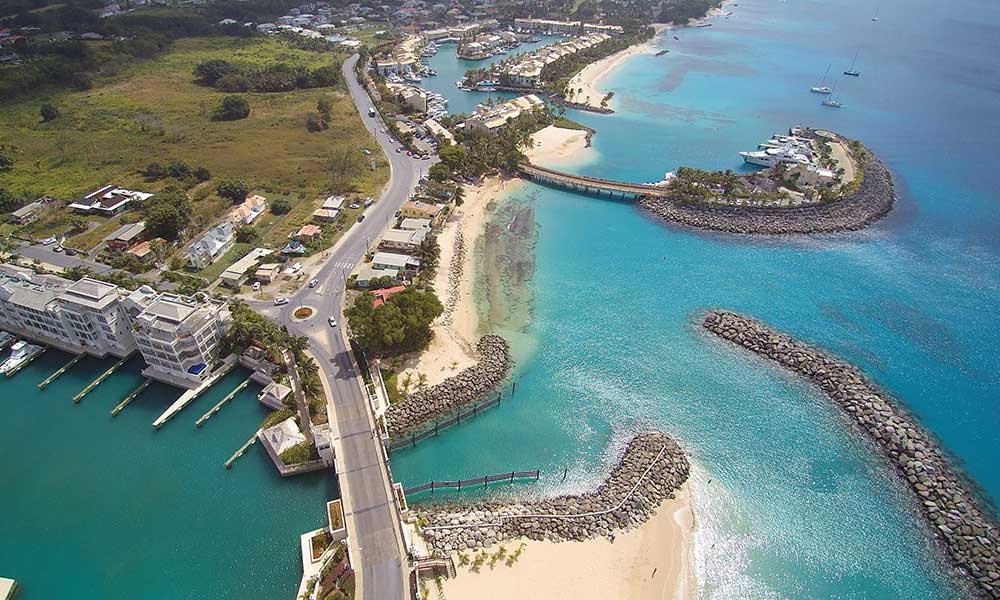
[662,52]
[850,71]
[20,354]
[832,103]
[820,88]
[676,38]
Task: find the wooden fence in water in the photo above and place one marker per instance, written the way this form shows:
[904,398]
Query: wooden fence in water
[413,438]
[483,481]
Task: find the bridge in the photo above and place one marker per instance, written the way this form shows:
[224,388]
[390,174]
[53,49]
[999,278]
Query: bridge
[594,186]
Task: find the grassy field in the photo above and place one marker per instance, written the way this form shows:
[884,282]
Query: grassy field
[155,112]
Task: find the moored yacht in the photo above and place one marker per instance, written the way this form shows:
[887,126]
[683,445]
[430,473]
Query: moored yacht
[20,354]
[773,156]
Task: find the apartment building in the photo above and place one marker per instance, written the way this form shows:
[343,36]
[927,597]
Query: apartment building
[527,70]
[488,119]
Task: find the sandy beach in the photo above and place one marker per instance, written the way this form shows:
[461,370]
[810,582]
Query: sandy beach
[590,78]
[653,562]
[456,331]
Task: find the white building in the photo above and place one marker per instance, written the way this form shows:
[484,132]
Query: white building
[216,242]
[487,119]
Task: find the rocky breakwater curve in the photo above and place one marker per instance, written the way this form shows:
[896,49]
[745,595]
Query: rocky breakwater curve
[652,468]
[968,533]
[870,202]
[422,407]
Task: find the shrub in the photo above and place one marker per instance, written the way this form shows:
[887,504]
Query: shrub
[280,206]
[247,235]
[48,112]
[154,170]
[233,108]
[178,169]
[233,189]
[233,82]
[315,122]
[201,174]
[325,106]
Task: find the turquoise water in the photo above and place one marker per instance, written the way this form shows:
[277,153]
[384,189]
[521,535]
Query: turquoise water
[451,69]
[798,506]
[95,507]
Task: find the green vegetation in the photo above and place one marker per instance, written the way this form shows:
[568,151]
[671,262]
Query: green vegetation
[390,378]
[299,453]
[275,77]
[402,324]
[232,108]
[682,11]
[276,416]
[167,214]
[118,278]
[565,123]
[247,327]
[153,110]
[233,189]
[481,153]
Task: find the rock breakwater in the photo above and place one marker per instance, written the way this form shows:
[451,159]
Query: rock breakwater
[470,385]
[652,468]
[968,533]
[870,202]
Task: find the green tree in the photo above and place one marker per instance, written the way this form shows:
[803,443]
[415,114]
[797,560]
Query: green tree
[453,156]
[211,71]
[316,123]
[167,213]
[154,170]
[402,324]
[439,172]
[234,189]
[233,108]
[325,107]
[48,112]
[281,206]
[247,235]
[76,223]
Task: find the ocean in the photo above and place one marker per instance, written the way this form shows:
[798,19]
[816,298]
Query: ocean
[791,503]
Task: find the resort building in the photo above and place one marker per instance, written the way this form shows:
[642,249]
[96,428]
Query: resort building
[414,209]
[397,262]
[125,237]
[95,319]
[234,276]
[564,27]
[438,130]
[401,240]
[211,246]
[247,212]
[273,395]
[526,71]
[177,336]
[488,119]
[28,306]
[413,224]
[106,201]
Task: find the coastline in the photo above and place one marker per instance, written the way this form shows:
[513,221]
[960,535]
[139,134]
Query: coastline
[592,76]
[457,330]
[651,562]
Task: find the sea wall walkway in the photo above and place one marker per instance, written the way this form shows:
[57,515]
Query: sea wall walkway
[594,186]
[968,532]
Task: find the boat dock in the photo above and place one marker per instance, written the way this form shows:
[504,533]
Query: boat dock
[189,396]
[61,370]
[27,362]
[8,587]
[222,402]
[243,449]
[131,396]
[99,379]
[592,186]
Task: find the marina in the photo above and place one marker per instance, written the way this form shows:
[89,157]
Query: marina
[21,354]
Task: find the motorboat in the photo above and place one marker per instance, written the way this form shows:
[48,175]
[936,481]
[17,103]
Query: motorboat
[21,353]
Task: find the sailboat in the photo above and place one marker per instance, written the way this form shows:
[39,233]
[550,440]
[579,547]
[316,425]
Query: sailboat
[822,89]
[851,70]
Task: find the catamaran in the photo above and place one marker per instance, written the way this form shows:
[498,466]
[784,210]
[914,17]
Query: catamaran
[20,353]
[822,89]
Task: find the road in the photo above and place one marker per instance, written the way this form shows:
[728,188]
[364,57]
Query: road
[360,459]
[46,254]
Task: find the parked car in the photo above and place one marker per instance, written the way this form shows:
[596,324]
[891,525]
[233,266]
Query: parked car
[313,283]
[332,322]
[57,249]
[425,157]
[361,217]
[71,251]
[49,241]
[366,151]
[280,300]
[296,267]
[369,201]
[255,286]
[354,206]
[398,150]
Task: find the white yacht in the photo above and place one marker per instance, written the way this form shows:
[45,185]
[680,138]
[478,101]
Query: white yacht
[832,103]
[20,353]
[820,89]
[773,156]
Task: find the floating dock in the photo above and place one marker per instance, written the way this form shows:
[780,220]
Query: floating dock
[189,396]
[131,396]
[62,370]
[243,449]
[99,379]
[222,402]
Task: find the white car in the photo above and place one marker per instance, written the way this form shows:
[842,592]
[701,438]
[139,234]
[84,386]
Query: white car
[57,249]
[279,301]
[48,241]
[332,322]
[313,283]
[296,267]
[255,286]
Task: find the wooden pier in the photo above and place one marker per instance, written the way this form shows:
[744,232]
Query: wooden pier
[99,379]
[131,396]
[189,396]
[222,402]
[61,370]
[592,186]
[243,449]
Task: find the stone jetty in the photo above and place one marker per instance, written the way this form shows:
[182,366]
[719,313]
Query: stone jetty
[652,468]
[969,534]
[422,407]
[870,202]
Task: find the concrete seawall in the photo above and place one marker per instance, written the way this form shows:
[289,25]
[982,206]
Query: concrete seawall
[652,468]
[422,407]
[968,533]
[870,202]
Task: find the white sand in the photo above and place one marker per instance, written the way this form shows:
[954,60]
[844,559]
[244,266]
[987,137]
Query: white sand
[593,75]
[651,562]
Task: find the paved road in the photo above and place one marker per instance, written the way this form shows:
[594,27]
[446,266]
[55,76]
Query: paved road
[360,459]
[46,254]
